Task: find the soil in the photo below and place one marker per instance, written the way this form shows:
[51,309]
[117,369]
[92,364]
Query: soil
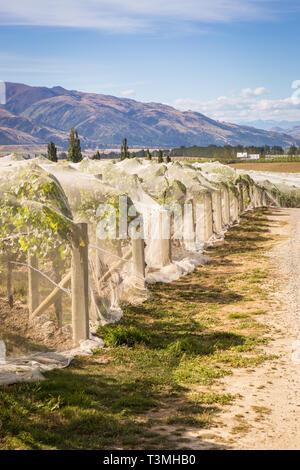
[280,167]
[22,337]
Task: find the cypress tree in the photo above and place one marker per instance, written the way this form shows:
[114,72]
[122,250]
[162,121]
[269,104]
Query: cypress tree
[74,153]
[148,155]
[168,158]
[96,156]
[52,152]
[78,148]
[160,158]
[71,151]
[124,150]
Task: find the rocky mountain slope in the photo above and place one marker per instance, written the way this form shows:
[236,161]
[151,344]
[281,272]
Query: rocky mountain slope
[15,129]
[41,114]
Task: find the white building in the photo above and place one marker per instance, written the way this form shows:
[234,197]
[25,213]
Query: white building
[246,156]
[242,155]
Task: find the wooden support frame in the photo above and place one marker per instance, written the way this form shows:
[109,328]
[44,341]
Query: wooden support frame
[115,266]
[138,259]
[33,284]
[10,298]
[80,283]
[208,217]
[53,296]
[200,221]
[165,238]
[225,207]
[217,211]
[241,198]
[189,226]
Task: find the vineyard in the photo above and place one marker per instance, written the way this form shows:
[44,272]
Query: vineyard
[80,241]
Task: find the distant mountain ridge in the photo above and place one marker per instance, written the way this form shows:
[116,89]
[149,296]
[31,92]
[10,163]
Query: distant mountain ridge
[293,131]
[40,114]
[270,125]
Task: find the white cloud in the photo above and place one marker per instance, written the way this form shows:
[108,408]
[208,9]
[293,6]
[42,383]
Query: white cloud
[128,93]
[247,92]
[132,15]
[247,105]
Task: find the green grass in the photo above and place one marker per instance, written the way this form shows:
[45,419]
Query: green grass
[125,336]
[181,339]
[202,420]
[234,316]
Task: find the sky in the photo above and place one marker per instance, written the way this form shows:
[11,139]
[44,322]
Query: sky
[233,60]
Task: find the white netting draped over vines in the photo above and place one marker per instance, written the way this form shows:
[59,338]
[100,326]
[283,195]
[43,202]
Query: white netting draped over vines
[57,216]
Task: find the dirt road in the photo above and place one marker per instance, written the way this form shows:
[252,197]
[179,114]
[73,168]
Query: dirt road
[268,414]
[283,424]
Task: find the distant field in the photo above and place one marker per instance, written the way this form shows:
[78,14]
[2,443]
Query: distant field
[22,149]
[280,167]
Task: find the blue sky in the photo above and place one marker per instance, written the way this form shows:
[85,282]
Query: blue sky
[233,60]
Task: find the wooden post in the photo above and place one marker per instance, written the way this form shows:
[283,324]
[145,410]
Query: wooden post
[165,238]
[159,238]
[241,198]
[236,208]
[258,197]
[245,198]
[200,222]
[264,198]
[261,201]
[217,211]
[138,259]
[57,267]
[252,196]
[225,207]
[33,284]
[208,217]
[80,283]
[189,227]
[8,284]
[59,311]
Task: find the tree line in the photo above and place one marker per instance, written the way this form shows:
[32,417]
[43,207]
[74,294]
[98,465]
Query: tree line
[229,151]
[226,152]
[75,154]
[159,154]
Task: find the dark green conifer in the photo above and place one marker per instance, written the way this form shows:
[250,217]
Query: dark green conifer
[74,153]
[52,152]
[160,158]
[124,150]
[96,156]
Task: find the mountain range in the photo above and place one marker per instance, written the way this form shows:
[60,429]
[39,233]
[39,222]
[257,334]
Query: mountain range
[285,127]
[34,115]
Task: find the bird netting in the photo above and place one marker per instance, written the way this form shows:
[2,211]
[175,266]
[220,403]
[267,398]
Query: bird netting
[77,241]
